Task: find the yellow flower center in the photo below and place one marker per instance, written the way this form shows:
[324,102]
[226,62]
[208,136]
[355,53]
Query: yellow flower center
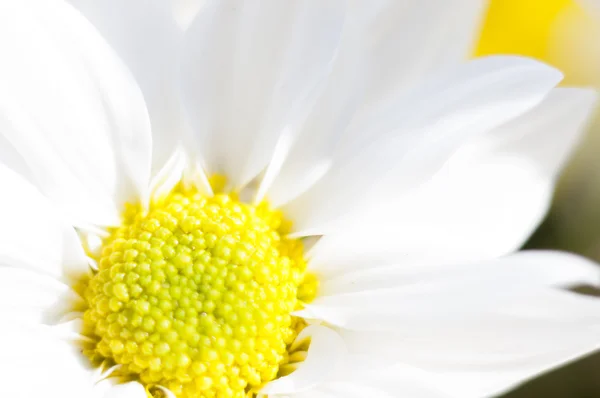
[195,295]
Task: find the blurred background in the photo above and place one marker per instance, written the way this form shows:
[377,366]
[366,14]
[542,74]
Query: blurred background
[565,34]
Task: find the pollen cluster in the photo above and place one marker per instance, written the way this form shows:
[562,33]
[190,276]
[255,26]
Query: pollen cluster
[195,295]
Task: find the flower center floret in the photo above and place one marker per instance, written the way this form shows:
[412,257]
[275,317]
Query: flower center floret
[195,295]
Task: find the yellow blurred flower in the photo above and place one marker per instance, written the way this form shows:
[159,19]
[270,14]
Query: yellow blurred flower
[520,26]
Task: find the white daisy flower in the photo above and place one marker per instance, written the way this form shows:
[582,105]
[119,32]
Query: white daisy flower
[328,209]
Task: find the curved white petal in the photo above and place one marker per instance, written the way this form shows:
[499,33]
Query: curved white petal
[391,382]
[309,156]
[389,386]
[325,353]
[72,111]
[128,390]
[411,40]
[70,328]
[32,233]
[545,136]
[26,296]
[184,11]
[169,175]
[168,393]
[506,178]
[252,71]
[488,354]
[535,268]
[404,143]
[10,157]
[381,298]
[378,57]
[484,203]
[35,364]
[345,390]
[361,376]
[469,215]
[146,37]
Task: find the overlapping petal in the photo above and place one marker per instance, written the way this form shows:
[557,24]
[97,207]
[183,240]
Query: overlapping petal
[487,355]
[31,298]
[397,61]
[483,203]
[326,354]
[79,122]
[497,324]
[378,58]
[33,235]
[251,74]
[406,142]
[35,363]
[147,38]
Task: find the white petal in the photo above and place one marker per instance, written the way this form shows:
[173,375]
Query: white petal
[72,111]
[486,355]
[536,268]
[194,175]
[325,353]
[345,390]
[386,309]
[128,390]
[401,383]
[505,179]
[32,233]
[185,11]
[407,141]
[309,157]
[380,299]
[484,203]
[34,364]
[358,377]
[169,176]
[10,157]
[557,123]
[446,33]
[252,71]
[26,296]
[146,37]
[467,215]
[70,328]
[378,57]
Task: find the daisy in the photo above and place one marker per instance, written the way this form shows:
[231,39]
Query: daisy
[286,199]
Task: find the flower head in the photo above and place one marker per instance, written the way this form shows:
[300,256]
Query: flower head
[285,199]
